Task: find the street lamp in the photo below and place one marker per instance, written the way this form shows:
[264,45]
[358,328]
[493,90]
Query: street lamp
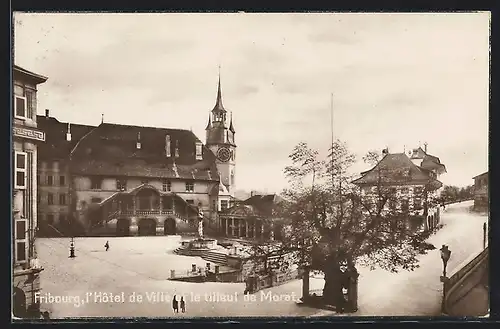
[445,257]
[72,248]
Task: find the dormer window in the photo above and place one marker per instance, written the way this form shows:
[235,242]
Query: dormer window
[199,151]
[167,146]
[176,149]
[20,107]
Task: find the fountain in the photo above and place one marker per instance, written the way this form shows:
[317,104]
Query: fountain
[201,243]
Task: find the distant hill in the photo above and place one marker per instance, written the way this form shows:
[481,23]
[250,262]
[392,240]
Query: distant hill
[243,195]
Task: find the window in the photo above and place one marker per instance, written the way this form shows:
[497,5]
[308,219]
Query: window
[96,200]
[50,180]
[144,181]
[417,203]
[50,199]
[166,185]
[50,219]
[121,184]
[96,183]
[189,187]
[199,151]
[20,234]
[224,204]
[20,107]
[30,104]
[62,199]
[62,180]
[176,149]
[20,165]
[405,206]
[191,202]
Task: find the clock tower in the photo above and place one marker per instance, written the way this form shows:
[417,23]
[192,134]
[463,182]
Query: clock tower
[220,139]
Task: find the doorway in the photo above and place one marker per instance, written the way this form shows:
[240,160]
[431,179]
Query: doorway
[169,227]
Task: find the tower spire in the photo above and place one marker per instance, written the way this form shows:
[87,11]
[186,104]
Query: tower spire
[218,104]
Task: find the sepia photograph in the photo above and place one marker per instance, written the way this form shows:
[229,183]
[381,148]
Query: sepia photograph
[240,165]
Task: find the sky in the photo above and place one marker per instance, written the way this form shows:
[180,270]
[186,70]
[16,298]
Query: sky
[398,80]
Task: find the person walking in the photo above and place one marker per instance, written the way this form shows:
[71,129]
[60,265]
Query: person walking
[106,245]
[175,305]
[183,305]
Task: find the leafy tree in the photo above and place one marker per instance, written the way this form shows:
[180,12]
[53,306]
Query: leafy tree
[332,225]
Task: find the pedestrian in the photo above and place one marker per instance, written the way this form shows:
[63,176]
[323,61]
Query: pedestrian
[175,305]
[106,245]
[183,305]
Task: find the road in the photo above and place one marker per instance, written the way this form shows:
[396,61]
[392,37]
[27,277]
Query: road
[419,292]
[140,266]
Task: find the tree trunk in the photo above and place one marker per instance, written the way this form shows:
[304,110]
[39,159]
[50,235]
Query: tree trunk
[332,291]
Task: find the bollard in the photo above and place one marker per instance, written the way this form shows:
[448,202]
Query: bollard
[172,274]
[484,235]
[193,267]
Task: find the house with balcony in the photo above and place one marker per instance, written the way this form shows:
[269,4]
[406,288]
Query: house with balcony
[26,137]
[412,188]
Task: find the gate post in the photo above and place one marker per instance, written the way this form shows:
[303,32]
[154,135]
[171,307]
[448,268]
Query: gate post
[352,290]
[305,285]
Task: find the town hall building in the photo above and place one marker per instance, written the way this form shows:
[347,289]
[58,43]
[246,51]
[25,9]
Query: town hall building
[127,180]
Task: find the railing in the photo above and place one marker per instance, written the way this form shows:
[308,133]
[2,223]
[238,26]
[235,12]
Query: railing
[462,273]
[140,212]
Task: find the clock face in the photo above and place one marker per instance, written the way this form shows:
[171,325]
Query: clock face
[224,154]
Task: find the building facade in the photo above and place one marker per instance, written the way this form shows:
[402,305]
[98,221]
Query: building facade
[481,199]
[26,138]
[411,182]
[252,219]
[54,211]
[128,180]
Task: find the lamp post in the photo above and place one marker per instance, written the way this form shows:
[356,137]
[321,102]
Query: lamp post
[72,248]
[445,257]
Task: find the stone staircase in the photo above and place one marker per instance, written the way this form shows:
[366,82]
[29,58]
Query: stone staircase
[216,257]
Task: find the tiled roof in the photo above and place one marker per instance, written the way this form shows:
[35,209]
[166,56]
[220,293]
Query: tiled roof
[56,146]
[394,168]
[257,205]
[19,72]
[264,204]
[478,176]
[111,150]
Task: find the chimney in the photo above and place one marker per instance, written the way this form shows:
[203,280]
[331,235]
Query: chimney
[425,147]
[385,151]
[47,113]
[138,145]
[68,133]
